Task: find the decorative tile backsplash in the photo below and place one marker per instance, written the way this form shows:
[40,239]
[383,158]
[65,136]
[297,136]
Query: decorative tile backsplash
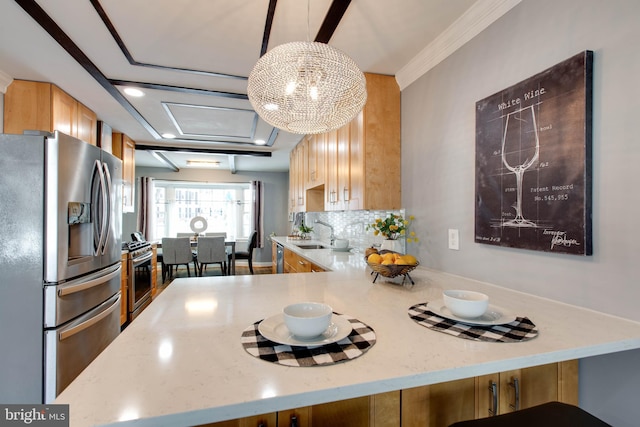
[349,225]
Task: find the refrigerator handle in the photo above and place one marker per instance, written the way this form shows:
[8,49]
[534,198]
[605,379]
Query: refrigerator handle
[103,219]
[107,208]
[88,323]
[88,284]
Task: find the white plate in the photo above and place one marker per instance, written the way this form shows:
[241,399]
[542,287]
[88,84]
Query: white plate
[341,249]
[274,329]
[493,316]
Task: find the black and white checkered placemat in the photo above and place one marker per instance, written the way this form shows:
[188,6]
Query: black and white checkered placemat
[361,339]
[521,329]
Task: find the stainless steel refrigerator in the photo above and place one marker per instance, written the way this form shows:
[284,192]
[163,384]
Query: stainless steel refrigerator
[60,246]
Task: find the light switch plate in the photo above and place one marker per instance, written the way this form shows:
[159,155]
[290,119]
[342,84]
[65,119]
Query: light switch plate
[454,239]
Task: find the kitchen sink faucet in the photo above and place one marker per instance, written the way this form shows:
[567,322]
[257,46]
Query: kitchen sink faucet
[332,237]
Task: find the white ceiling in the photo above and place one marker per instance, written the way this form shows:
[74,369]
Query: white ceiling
[401,37]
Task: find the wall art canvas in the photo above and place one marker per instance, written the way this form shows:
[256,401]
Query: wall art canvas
[533,161]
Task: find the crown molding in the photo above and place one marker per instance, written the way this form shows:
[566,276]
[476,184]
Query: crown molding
[470,24]
[5,81]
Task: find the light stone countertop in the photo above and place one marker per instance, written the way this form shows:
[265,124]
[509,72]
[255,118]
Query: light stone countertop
[181,362]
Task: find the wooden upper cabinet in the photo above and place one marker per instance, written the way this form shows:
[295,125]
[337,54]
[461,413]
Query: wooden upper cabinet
[358,165]
[87,126]
[45,107]
[375,147]
[64,112]
[125,149]
[316,163]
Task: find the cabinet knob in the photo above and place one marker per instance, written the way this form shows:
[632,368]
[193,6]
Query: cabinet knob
[294,421]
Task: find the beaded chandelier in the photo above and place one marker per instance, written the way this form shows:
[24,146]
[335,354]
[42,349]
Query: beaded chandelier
[306,88]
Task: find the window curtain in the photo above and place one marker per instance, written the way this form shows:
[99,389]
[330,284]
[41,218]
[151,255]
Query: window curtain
[257,189]
[145,219]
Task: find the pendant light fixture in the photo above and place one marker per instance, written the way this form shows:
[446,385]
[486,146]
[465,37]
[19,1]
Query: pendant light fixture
[306,87]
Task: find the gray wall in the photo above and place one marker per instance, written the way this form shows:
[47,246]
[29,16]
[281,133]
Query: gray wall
[438,158]
[276,190]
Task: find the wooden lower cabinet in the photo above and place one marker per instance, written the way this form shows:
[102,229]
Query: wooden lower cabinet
[436,405]
[523,388]
[274,257]
[294,263]
[439,404]
[154,271]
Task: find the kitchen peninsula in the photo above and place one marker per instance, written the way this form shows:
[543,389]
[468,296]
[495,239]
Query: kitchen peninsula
[182,362]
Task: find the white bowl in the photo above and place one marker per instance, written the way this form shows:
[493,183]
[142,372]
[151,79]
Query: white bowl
[307,319]
[467,304]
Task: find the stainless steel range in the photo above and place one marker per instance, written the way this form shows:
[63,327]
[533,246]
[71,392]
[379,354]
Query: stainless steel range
[140,277]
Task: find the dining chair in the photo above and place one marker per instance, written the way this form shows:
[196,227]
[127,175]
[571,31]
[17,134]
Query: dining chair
[184,234]
[216,234]
[211,250]
[248,254]
[177,251]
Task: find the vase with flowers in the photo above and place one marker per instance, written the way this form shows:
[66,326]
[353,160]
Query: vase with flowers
[393,228]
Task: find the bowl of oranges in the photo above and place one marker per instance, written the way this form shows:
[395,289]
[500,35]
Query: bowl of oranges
[391,264]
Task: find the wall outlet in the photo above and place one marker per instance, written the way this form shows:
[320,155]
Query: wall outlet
[454,239]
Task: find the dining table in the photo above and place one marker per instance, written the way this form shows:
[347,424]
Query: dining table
[229,243]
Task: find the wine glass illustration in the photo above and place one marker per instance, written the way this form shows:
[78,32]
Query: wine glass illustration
[520,150]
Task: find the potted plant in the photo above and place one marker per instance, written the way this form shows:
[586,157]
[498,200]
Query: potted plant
[304,231]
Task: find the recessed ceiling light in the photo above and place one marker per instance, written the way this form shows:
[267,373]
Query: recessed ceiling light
[133,92]
[168,135]
[260,142]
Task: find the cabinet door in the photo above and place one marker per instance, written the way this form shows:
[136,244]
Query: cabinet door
[523,388]
[125,149]
[439,405]
[316,160]
[293,168]
[64,111]
[301,158]
[331,173]
[344,168]
[129,173]
[378,410]
[298,264]
[27,106]
[381,146]
[290,261]
[344,413]
[274,258]
[87,125]
[356,164]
